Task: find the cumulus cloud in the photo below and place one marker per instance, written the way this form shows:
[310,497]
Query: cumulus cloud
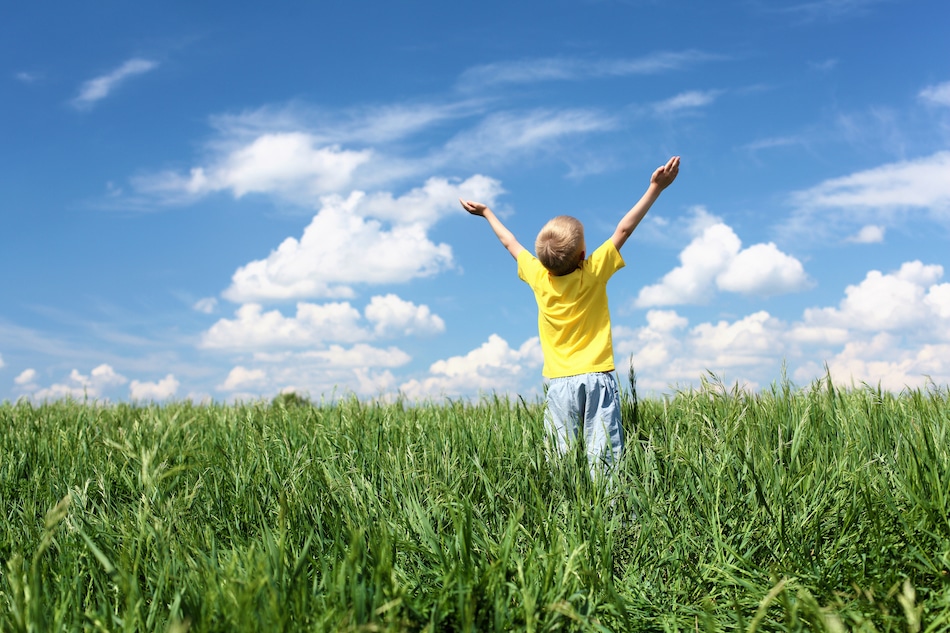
[25,377]
[762,269]
[907,298]
[315,325]
[715,259]
[361,239]
[938,94]
[892,329]
[1,361]
[334,371]
[161,390]
[493,367]
[392,316]
[252,328]
[100,87]
[667,352]
[289,164]
[242,378]
[358,356]
[885,360]
[754,340]
[79,385]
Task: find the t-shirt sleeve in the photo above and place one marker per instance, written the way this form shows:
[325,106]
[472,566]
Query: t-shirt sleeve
[605,261]
[529,268]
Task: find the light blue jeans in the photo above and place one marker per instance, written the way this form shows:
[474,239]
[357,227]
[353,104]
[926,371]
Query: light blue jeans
[588,404]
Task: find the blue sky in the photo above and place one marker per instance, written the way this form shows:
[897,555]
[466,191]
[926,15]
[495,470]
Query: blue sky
[209,201]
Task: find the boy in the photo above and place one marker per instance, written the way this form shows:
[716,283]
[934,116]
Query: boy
[574,321]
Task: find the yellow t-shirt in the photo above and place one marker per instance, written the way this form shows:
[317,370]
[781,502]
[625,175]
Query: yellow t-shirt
[573,317]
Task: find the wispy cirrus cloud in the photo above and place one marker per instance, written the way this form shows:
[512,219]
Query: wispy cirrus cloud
[829,9]
[510,133]
[27,77]
[686,101]
[368,124]
[98,88]
[572,69]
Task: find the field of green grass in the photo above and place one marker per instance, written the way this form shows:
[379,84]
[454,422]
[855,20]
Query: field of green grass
[816,509]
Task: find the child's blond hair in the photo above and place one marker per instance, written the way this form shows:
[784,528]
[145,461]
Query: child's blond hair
[560,245]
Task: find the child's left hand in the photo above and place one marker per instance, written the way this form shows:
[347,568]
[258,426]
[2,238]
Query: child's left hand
[664,176]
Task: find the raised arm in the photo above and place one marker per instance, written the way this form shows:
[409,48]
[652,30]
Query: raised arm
[660,180]
[504,236]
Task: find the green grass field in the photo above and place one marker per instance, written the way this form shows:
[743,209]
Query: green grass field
[789,510]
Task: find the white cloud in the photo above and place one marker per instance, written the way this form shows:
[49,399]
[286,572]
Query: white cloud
[880,195]
[362,239]
[938,94]
[492,367]
[714,259]
[337,370]
[25,377]
[895,301]
[99,88]
[242,378]
[651,346]
[1,361]
[312,325]
[392,316]
[938,300]
[161,390]
[885,360]
[689,100]
[692,281]
[206,305]
[299,154]
[892,329]
[81,386]
[287,164]
[752,341]
[664,352]
[869,234]
[357,357]
[764,270]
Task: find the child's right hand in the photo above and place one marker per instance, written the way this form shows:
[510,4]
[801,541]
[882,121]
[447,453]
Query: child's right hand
[475,208]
